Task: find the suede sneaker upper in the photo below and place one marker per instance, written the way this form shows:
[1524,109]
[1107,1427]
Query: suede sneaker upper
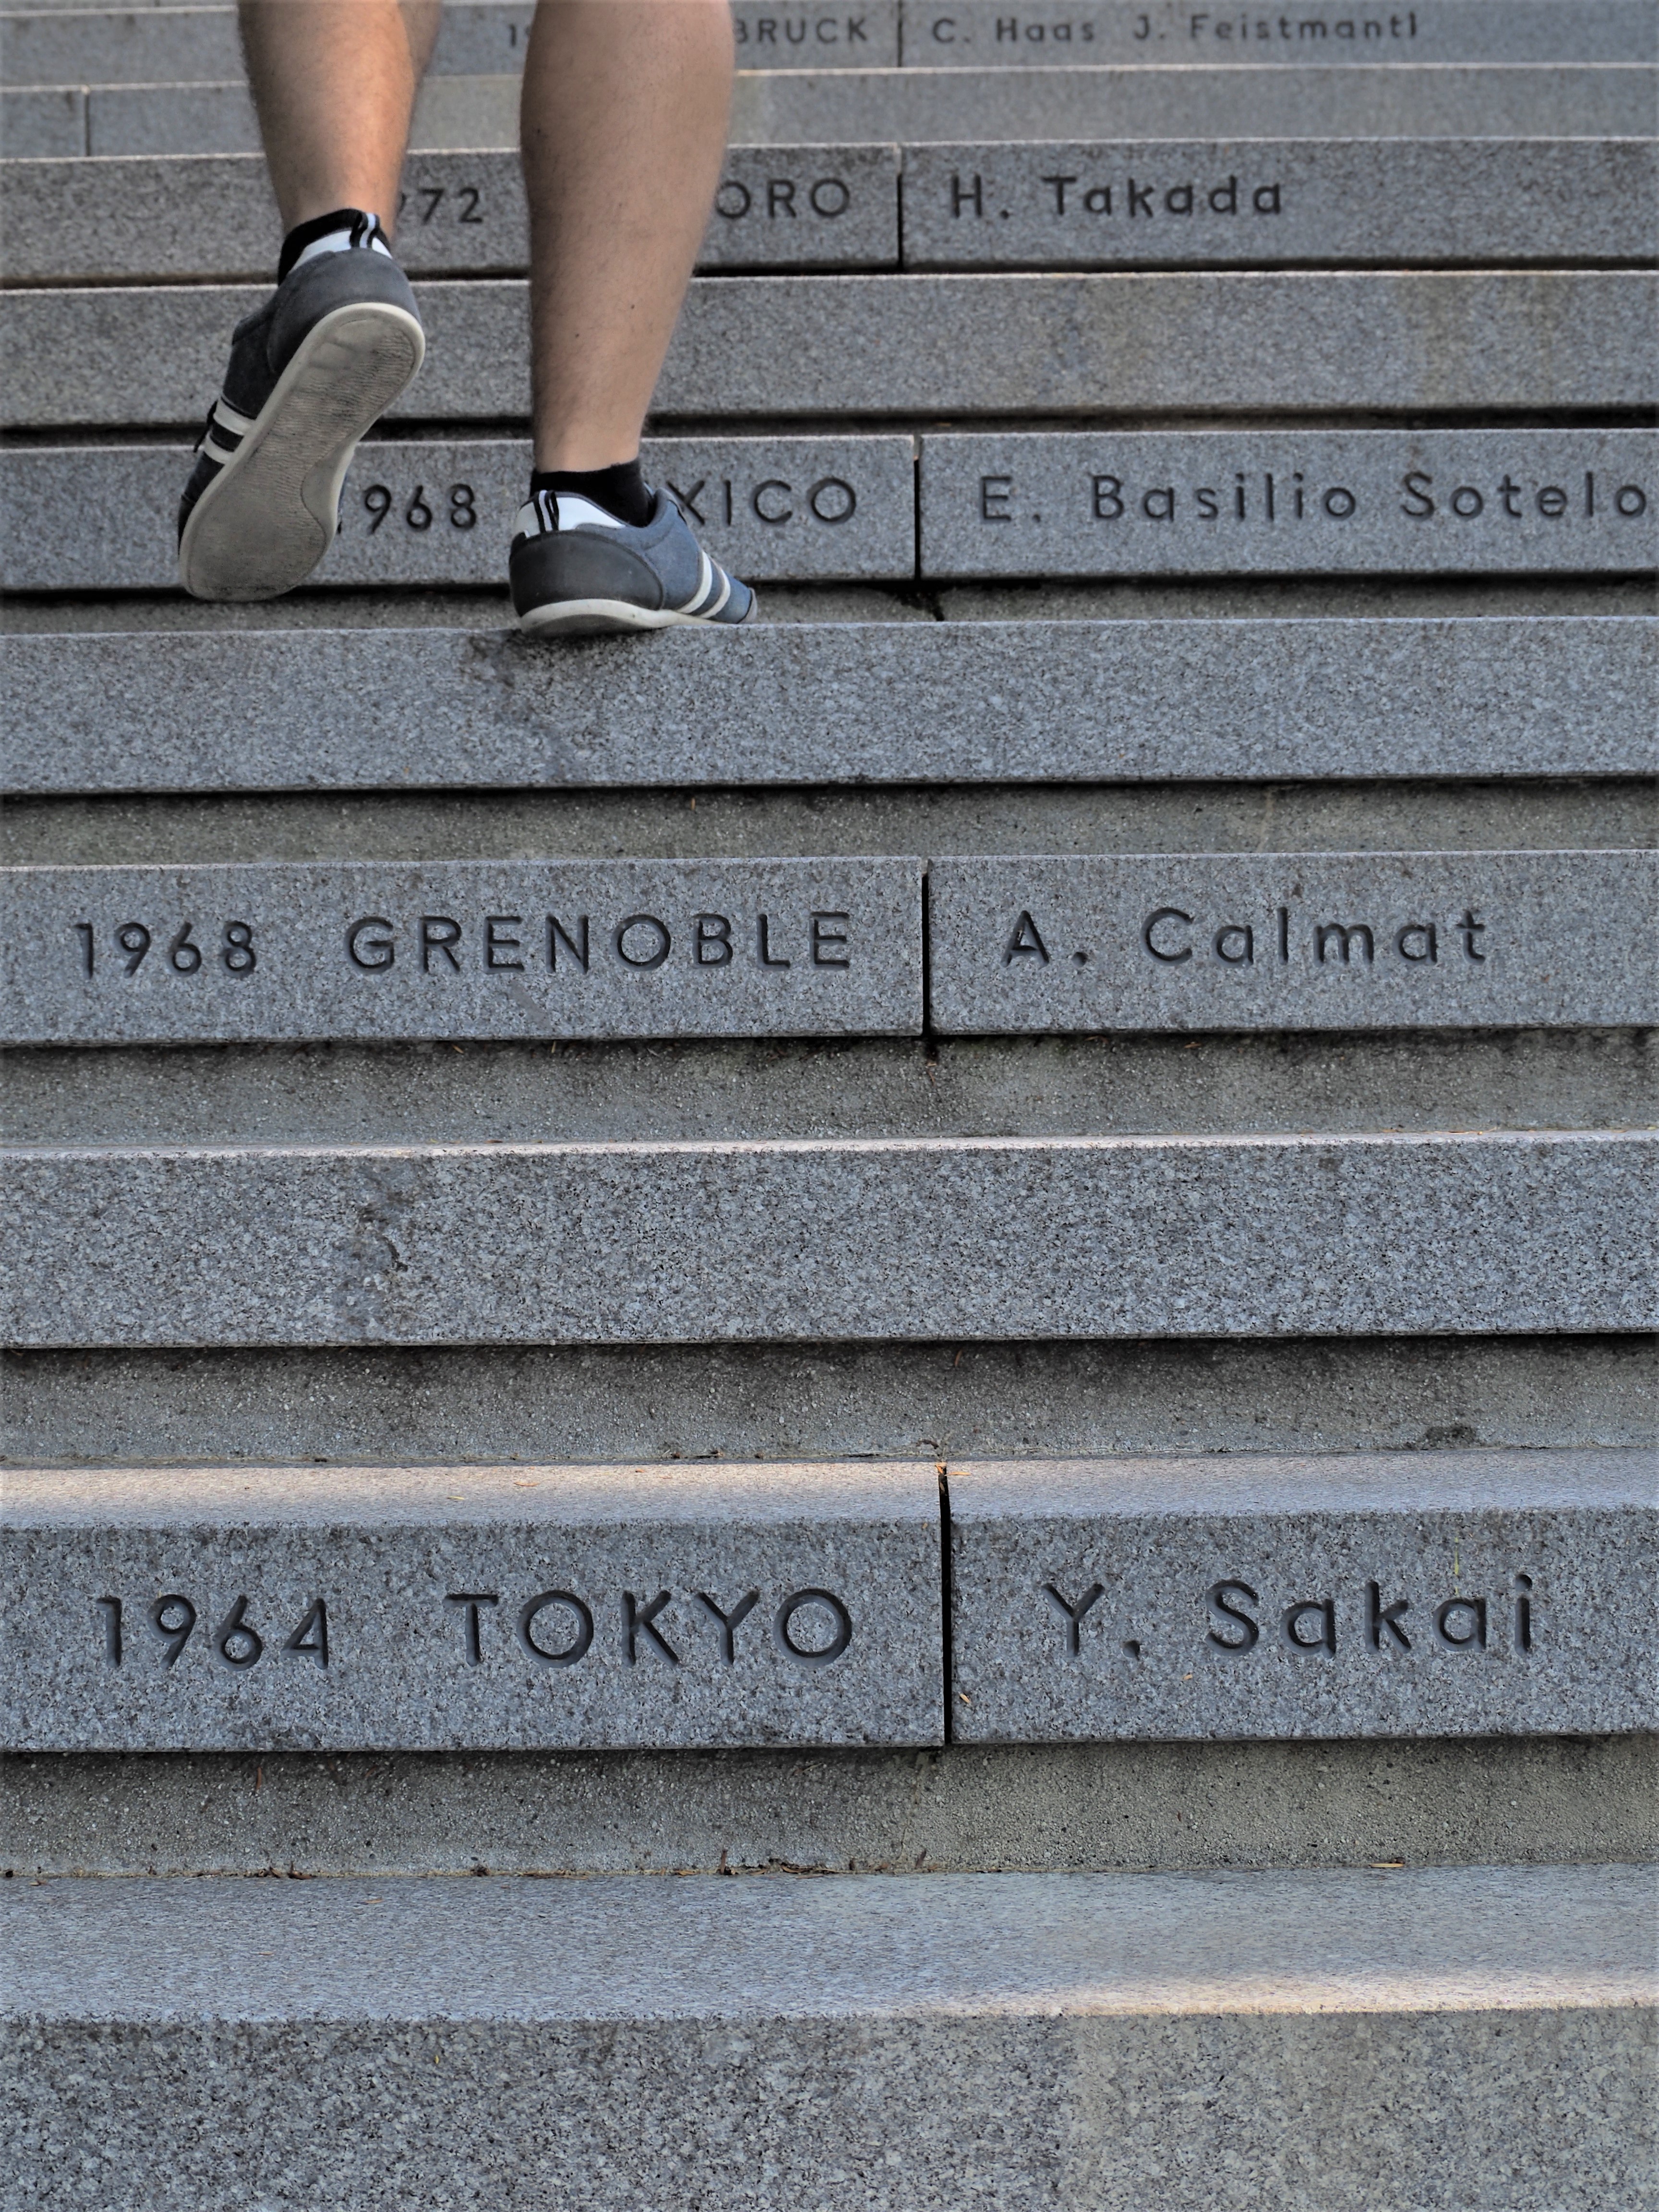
[574,568]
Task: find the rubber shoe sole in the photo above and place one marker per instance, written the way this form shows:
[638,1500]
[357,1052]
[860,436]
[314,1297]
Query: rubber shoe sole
[271,513]
[590,618]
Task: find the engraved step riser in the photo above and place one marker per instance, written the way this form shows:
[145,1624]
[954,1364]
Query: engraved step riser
[1224,503]
[678,1608]
[268,953]
[1083,504]
[425,512]
[836,107]
[834,207]
[870,1240]
[541,1608]
[772,347]
[607,948]
[872,703]
[145,45]
[1174,1601]
[600,2041]
[1253,203]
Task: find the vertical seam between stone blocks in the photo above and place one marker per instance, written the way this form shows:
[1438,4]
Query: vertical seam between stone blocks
[945,1596]
[916,509]
[898,182]
[927,961]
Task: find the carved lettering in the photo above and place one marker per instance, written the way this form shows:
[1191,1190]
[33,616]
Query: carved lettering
[730,1622]
[811,1601]
[641,1619]
[1219,1597]
[1073,1613]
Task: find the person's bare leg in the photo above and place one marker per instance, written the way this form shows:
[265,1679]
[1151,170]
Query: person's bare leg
[624,128]
[334,83]
[314,368]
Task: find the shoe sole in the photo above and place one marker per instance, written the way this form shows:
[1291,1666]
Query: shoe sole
[590,618]
[271,513]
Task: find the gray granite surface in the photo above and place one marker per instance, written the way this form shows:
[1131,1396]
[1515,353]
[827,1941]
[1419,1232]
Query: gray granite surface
[43,122]
[791,1242]
[970,1808]
[882,2044]
[1261,203]
[146,44]
[1326,941]
[1313,100]
[1216,1084]
[161,218]
[1019,702]
[1255,203]
[805,105]
[1226,502]
[933,1401]
[770,347]
[157,42]
[1465,1594]
[397,1608]
[595,949]
[436,1608]
[990,34]
[424,512]
[792,34]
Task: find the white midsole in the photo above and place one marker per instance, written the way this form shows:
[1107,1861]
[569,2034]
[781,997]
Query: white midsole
[298,524]
[618,614]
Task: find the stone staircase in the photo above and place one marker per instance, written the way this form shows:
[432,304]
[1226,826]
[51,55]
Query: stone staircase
[991,1242]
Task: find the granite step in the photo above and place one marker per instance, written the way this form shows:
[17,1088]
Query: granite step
[1254,202]
[1008,702]
[1107,1807]
[596,1609]
[159,44]
[1002,505]
[1024,2040]
[276,952]
[796,1242]
[163,44]
[942,33]
[157,219]
[770,347]
[838,107]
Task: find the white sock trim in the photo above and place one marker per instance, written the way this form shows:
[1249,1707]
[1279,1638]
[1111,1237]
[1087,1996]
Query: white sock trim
[336,241]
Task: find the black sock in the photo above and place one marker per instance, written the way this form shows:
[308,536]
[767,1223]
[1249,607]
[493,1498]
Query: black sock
[620,490]
[356,223]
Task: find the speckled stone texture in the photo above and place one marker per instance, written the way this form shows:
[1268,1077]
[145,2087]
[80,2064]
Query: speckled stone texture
[1260,203]
[1254,202]
[589,949]
[160,43]
[783,34]
[989,34]
[156,218]
[1228,502]
[1322,940]
[1475,1594]
[425,512]
[1313,100]
[1026,702]
[812,104]
[1213,342]
[939,1238]
[1324,2042]
[464,1608]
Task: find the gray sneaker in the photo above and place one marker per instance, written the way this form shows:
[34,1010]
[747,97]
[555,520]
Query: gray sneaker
[310,372]
[575,568]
